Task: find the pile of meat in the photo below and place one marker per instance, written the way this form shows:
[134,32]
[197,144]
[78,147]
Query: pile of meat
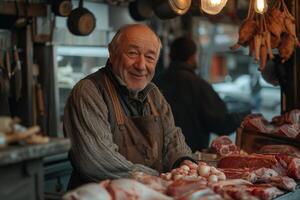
[239,176]
[223,146]
[195,171]
[287,125]
[206,182]
[264,32]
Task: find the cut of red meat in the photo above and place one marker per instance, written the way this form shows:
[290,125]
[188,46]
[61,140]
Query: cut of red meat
[283,182]
[223,146]
[253,161]
[181,187]
[280,149]
[291,163]
[243,173]
[289,130]
[263,191]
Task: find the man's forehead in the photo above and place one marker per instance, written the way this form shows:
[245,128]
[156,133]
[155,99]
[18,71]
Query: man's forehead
[140,38]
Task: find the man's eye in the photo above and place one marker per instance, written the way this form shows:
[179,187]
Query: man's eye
[132,53]
[150,58]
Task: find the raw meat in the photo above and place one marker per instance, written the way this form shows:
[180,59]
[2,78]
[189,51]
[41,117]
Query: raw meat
[154,182]
[223,146]
[87,192]
[283,182]
[181,187]
[205,194]
[128,189]
[280,149]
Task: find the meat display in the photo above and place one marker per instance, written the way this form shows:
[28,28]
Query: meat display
[291,164]
[122,189]
[280,149]
[223,146]
[287,125]
[283,182]
[261,191]
[87,192]
[154,182]
[194,171]
[253,161]
[239,176]
[183,187]
[261,175]
[282,164]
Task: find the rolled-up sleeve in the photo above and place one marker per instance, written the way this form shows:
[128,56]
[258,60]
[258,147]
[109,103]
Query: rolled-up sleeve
[94,154]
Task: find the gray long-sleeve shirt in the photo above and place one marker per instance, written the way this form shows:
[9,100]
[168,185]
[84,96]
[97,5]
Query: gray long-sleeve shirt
[88,125]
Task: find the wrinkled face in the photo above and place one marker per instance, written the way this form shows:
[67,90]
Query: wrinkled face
[135,57]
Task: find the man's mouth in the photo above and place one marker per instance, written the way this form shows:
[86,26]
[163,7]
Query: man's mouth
[137,75]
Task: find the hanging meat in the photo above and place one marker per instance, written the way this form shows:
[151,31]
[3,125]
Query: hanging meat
[247,29]
[264,32]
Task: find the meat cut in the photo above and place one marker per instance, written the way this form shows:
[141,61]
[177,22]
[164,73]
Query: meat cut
[280,149]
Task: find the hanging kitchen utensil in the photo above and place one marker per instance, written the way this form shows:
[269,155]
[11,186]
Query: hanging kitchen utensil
[61,7]
[140,10]
[17,75]
[4,86]
[21,21]
[8,63]
[81,21]
[166,9]
[39,103]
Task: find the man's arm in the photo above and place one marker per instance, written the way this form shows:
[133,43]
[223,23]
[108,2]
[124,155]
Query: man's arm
[175,148]
[95,155]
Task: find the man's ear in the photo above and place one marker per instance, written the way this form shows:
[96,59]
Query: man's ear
[110,52]
[192,59]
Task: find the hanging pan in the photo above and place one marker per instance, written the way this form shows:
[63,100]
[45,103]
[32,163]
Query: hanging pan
[81,21]
[140,10]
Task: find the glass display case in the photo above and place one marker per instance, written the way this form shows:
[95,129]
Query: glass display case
[72,64]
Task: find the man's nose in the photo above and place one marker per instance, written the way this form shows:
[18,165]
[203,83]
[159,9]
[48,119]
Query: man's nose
[141,62]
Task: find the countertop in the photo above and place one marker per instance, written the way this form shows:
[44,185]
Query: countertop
[18,153]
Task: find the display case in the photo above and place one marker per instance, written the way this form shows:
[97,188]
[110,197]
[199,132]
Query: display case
[72,64]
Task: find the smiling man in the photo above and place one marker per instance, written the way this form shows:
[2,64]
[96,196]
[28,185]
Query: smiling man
[117,119]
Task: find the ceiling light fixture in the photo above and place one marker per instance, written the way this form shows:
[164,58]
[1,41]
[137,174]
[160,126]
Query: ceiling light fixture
[260,6]
[213,7]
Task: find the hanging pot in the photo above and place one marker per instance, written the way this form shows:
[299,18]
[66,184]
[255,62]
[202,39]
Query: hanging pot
[166,9]
[140,10]
[81,21]
[61,7]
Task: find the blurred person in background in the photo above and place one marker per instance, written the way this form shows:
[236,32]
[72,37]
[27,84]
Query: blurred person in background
[196,107]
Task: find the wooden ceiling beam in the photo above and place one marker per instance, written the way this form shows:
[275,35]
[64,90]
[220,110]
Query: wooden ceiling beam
[23,9]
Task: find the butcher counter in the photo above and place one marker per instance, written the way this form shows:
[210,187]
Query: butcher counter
[291,195]
[21,169]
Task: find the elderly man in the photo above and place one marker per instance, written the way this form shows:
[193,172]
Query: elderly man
[117,120]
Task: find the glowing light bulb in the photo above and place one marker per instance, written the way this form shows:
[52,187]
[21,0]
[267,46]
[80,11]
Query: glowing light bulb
[213,7]
[215,2]
[260,6]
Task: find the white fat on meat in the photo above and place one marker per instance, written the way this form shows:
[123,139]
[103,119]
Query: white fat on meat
[128,189]
[91,191]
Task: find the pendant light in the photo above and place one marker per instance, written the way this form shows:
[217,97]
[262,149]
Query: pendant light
[213,7]
[260,6]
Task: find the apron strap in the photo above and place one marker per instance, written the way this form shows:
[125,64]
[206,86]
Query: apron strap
[153,108]
[116,103]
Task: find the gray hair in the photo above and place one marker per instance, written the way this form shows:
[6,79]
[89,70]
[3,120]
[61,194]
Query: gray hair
[113,45]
